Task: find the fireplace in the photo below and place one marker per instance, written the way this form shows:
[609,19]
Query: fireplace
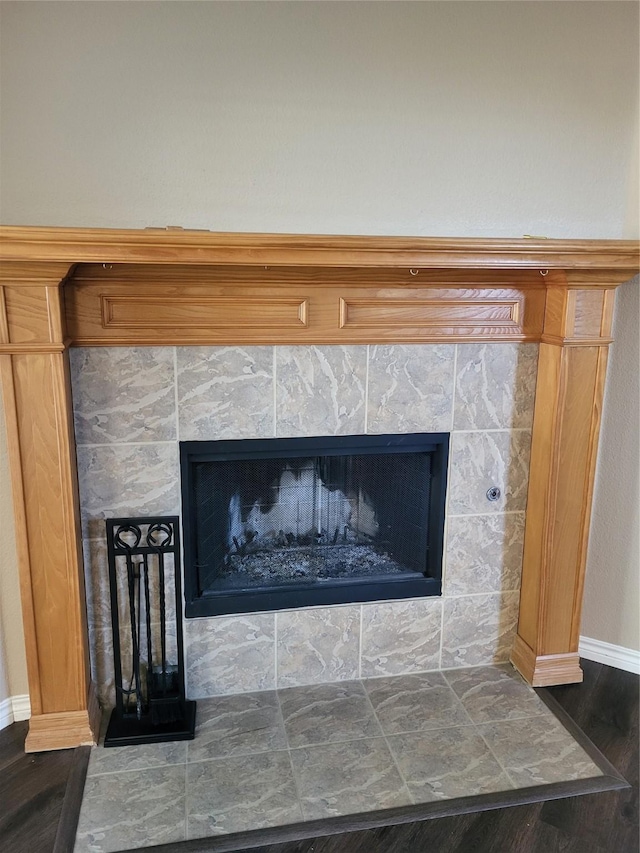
[62,288]
[281,523]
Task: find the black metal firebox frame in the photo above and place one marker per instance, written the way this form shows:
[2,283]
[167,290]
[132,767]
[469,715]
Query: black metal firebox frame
[200,602]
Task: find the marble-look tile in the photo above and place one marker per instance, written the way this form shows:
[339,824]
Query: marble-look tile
[123,394]
[139,757]
[400,637]
[320,390]
[237,794]
[225,392]
[233,654]
[318,645]
[325,713]
[479,629]
[484,553]
[410,388]
[412,703]
[101,660]
[448,763]
[343,778]
[237,725]
[491,693]
[481,460]
[96,582]
[138,808]
[495,386]
[127,480]
[538,751]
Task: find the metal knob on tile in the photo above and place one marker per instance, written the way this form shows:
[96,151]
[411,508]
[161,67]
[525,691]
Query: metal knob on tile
[493,493]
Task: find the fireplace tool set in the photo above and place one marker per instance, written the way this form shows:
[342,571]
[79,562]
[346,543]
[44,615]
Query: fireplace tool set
[145,589]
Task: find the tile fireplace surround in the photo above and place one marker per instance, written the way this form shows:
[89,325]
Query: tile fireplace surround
[125,404]
[175,335]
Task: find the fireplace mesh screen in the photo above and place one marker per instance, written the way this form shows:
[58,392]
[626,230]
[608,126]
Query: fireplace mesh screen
[307,520]
[269,521]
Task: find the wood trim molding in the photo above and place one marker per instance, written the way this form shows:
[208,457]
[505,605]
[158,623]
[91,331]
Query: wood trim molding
[123,307]
[178,246]
[66,728]
[62,287]
[37,401]
[568,406]
[545,670]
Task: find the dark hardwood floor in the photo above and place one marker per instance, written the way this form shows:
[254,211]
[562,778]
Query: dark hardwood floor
[40,795]
[37,817]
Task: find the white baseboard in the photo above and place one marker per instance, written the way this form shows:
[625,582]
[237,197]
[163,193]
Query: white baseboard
[21,708]
[607,653]
[13,709]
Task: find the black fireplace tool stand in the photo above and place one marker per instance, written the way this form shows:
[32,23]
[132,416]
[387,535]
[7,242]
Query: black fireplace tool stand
[144,565]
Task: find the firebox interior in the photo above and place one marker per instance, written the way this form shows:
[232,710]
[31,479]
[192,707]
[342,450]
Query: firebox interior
[279,523]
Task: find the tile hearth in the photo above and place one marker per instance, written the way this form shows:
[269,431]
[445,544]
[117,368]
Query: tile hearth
[273,758]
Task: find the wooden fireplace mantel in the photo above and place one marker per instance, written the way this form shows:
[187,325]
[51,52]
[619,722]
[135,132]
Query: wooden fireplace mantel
[61,287]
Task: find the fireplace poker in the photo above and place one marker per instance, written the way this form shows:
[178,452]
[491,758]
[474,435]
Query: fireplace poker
[147,609]
[131,582]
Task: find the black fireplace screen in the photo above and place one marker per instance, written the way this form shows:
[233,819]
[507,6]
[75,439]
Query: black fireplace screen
[279,523]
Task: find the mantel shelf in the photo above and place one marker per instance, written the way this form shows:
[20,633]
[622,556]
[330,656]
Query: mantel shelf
[177,246]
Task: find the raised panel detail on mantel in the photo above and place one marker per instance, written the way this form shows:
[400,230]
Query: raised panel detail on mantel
[201,312]
[403,313]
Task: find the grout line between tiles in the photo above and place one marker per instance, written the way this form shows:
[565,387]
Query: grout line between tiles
[455,385]
[479,595]
[381,736]
[447,516]
[275,651]
[186,799]
[366,393]
[161,766]
[233,755]
[293,772]
[391,752]
[488,745]
[436,669]
[275,393]
[512,719]
[494,429]
[128,443]
[175,391]
[441,634]
[487,514]
[360,643]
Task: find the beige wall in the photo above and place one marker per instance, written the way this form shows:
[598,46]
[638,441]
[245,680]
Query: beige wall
[400,118]
[436,118]
[612,593]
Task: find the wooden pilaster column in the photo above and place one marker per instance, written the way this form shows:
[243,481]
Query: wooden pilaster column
[569,392]
[36,390]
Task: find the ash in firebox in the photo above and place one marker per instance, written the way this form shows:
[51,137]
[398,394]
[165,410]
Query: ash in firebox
[307,564]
